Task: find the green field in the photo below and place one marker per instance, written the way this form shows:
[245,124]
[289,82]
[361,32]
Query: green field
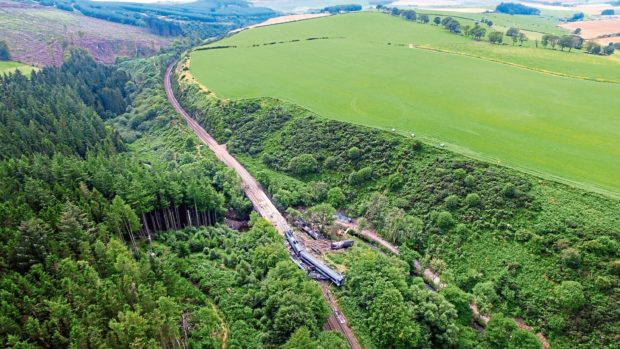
[7,67]
[562,128]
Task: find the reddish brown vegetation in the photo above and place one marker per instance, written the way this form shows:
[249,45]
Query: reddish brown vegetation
[41,36]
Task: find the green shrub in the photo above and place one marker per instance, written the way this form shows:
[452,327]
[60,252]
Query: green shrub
[472,200]
[461,229]
[395,181]
[603,283]
[614,267]
[354,153]
[470,181]
[445,220]
[571,258]
[361,176]
[452,202]
[556,323]
[509,190]
[335,197]
[331,163]
[459,174]
[303,164]
[569,295]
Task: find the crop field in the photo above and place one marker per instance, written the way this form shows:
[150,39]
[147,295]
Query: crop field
[365,72]
[7,67]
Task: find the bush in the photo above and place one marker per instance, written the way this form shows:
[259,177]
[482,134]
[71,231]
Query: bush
[331,163]
[461,229]
[571,258]
[361,176]
[335,197]
[444,220]
[452,202]
[303,164]
[614,267]
[569,295]
[417,146]
[459,174]
[556,323]
[472,200]
[395,181]
[354,153]
[603,283]
[470,181]
[509,190]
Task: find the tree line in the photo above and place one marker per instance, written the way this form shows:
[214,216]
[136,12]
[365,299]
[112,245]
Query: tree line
[477,31]
[512,8]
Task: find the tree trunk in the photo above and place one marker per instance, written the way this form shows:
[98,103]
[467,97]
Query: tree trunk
[146,225]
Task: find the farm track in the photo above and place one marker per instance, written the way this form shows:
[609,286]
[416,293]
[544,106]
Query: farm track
[262,204]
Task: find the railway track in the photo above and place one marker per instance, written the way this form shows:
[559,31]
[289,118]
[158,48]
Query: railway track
[261,202]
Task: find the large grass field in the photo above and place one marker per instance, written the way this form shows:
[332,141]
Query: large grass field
[7,67]
[562,128]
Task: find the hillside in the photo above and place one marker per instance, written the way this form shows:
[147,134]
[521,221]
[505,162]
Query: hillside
[361,68]
[518,246]
[42,36]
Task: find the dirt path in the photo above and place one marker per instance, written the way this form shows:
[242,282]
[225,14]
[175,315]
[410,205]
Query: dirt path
[432,277]
[253,190]
[222,325]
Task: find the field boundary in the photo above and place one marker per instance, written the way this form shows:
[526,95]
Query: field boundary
[516,65]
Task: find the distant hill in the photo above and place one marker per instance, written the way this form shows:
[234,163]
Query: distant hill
[42,36]
[199,19]
[42,32]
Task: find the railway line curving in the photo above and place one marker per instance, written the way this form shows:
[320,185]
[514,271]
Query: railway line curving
[261,202]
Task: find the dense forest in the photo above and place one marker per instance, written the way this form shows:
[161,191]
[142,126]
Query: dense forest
[517,245]
[512,8]
[106,242]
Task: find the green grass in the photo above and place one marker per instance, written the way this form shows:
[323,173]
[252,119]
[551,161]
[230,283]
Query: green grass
[561,128]
[545,23]
[7,67]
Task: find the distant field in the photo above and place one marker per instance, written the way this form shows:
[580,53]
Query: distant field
[10,67]
[562,128]
[545,23]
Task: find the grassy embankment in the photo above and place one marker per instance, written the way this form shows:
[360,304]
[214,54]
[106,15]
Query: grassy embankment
[7,67]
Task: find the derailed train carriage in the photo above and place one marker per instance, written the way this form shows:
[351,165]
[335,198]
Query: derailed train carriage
[309,259]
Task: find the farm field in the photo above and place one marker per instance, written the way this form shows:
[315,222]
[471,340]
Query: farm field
[536,122]
[7,67]
[546,22]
